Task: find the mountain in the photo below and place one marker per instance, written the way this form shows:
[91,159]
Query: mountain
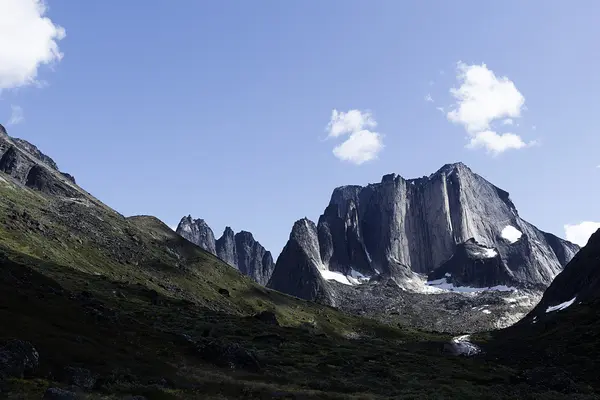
[30,167]
[558,342]
[96,305]
[578,283]
[239,250]
[451,231]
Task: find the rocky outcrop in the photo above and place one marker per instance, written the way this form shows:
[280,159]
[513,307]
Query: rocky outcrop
[476,265]
[226,249]
[398,228]
[578,283]
[26,164]
[39,178]
[252,258]
[34,151]
[198,232]
[298,265]
[15,164]
[240,250]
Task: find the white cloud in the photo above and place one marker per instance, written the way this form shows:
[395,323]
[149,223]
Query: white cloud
[360,147]
[342,123]
[482,98]
[363,144]
[16,116]
[496,143]
[429,98]
[28,39]
[580,233]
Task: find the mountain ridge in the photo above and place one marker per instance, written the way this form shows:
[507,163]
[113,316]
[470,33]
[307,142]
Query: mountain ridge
[405,230]
[239,250]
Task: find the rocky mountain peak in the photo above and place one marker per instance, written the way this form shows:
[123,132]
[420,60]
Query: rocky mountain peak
[2,130]
[239,250]
[197,231]
[452,220]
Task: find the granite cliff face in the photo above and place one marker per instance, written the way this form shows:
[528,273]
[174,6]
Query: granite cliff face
[454,226]
[239,250]
[299,266]
[198,232]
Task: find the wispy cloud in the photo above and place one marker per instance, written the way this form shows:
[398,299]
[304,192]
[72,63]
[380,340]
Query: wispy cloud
[482,98]
[31,40]
[428,98]
[16,116]
[363,144]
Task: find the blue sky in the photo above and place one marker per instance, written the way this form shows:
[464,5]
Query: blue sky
[220,109]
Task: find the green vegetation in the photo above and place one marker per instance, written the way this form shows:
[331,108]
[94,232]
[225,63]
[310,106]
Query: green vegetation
[151,314]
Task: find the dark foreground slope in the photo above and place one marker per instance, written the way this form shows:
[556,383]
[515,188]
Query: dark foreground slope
[559,340]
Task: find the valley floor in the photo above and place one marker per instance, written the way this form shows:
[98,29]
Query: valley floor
[137,342]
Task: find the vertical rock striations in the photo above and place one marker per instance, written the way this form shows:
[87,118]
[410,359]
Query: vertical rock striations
[240,250]
[399,227]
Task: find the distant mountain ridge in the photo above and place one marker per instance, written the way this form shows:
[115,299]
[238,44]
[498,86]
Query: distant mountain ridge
[454,226]
[239,250]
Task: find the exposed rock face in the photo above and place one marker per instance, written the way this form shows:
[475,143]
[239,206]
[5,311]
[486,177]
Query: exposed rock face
[473,264]
[226,249]
[25,163]
[34,151]
[252,259]
[198,232]
[578,283]
[239,250]
[297,269]
[15,164]
[39,178]
[400,227]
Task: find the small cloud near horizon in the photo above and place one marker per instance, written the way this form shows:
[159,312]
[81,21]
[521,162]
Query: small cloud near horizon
[363,144]
[580,233]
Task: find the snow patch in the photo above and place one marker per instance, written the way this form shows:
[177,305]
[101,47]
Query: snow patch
[354,278]
[561,306]
[187,228]
[463,346]
[489,253]
[511,234]
[486,311]
[448,275]
[334,276]
[445,285]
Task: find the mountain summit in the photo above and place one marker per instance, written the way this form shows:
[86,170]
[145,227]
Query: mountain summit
[453,226]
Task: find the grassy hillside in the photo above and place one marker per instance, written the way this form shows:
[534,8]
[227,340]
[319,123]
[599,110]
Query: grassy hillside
[150,314]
